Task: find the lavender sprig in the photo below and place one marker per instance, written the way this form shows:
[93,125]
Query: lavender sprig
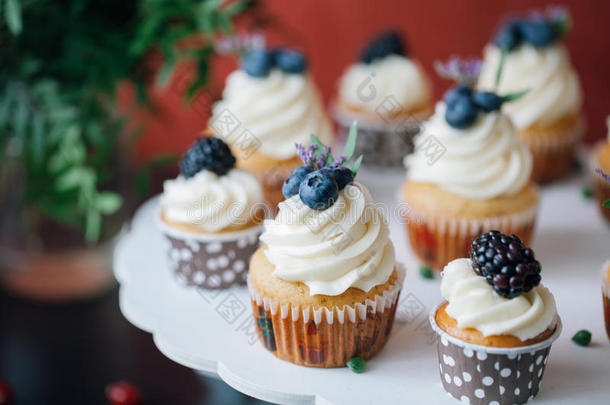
[560,18]
[463,71]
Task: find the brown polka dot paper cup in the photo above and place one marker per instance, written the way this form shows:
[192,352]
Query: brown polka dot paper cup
[210,261]
[481,375]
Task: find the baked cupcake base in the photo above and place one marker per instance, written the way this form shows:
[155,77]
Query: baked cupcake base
[320,331]
[210,261]
[441,225]
[553,148]
[480,375]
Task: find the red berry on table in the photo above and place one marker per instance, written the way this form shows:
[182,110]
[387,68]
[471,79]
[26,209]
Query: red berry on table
[6,394]
[122,393]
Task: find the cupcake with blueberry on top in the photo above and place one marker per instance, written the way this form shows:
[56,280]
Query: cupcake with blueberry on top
[211,217]
[601,169]
[267,106]
[389,94]
[496,325]
[325,285]
[469,173]
[549,117]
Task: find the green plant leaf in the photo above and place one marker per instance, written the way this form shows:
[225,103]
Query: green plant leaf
[315,140]
[501,66]
[515,96]
[12,15]
[356,165]
[93,226]
[352,139]
[236,8]
[166,71]
[108,202]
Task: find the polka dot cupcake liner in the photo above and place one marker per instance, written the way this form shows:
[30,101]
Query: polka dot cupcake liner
[210,261]
[481,375]
[383,143]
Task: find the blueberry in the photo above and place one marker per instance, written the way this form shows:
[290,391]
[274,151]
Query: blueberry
[487,101]
[462,113]
[257,63]
[207,154]
[290,61]
[342,175]
[538,32]
[453,94]
[509,36]
[292,183]
[318,190]
[388,43]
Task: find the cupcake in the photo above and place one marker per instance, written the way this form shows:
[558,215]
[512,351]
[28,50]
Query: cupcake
[389,95]
[267,106]
[549,117]
[211,217]
[469,174]
[325,286]
[497,324]
[601,182]
[606,295]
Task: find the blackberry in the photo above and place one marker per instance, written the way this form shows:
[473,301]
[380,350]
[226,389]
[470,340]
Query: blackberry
[386,43]
[506,263]
[207,154]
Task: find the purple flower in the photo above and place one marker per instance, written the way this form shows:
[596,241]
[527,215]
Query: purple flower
[605,176]
[239,43]
[339,161]
[464,71]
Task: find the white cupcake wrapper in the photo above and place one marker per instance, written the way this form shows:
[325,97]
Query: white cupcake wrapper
[347,313]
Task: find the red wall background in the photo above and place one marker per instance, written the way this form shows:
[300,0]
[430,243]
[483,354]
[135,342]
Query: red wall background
[332,33]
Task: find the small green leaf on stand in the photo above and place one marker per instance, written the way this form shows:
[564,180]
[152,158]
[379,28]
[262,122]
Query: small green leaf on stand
[582,337]
[515,96]
[587,193]
[426,272]
[606,204]
[352,139]
[356,364]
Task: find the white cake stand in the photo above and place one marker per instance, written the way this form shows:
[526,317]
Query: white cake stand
[213,332]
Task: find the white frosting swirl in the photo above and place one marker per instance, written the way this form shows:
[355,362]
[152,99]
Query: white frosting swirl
[554,89]
[366,86]
[213,202]
[474,304]
[346,245]
[481,162]
[280,110]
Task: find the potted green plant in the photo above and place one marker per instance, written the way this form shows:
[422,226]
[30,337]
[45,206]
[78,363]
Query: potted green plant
[65,181]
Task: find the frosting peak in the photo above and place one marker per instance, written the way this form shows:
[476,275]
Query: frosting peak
[554,88]
[483,161]
[366,86]
[279,110]
[473,304]
[213,202]
[346,245]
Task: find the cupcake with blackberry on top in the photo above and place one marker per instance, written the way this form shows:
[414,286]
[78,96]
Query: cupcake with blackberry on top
[211,217]
[325,286]
[496,325]
[469,173]
[267,106]
[549,117]
[601,168]
[389,94]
